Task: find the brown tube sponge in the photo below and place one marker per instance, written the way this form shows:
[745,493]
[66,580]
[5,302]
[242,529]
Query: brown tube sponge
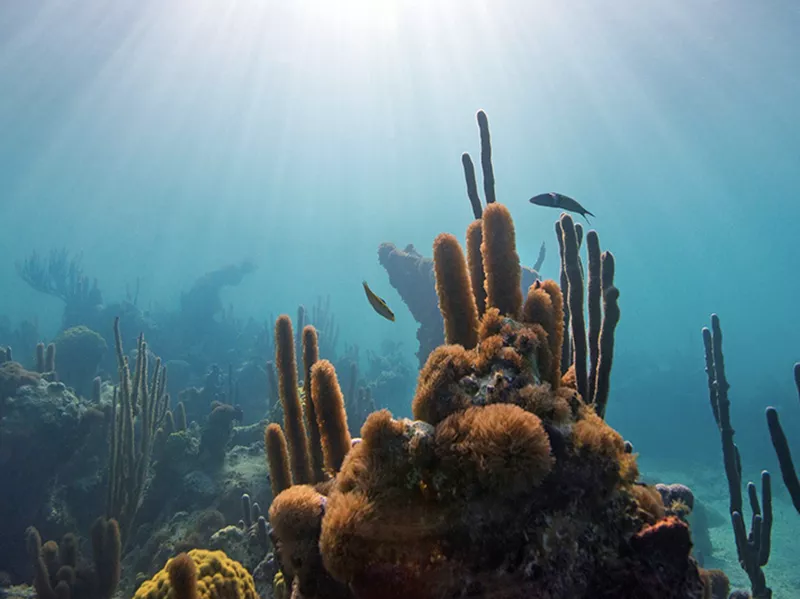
[501,261]
[475,263]
[595,309]
[292,410]
[557,340]
[539,309]
[277,459]
[572,264]
[310,357]
[296,520]
[456,302]
[297,513]
[107,551]
[497,449]
[183,577]
[331,416]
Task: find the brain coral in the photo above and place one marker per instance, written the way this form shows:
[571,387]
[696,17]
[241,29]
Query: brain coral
[200,574]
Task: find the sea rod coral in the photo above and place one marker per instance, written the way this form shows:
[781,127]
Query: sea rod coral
[508,483]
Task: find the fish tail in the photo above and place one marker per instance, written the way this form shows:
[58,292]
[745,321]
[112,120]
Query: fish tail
[585,213]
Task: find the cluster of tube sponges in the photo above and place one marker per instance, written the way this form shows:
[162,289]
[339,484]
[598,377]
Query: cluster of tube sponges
[506,483]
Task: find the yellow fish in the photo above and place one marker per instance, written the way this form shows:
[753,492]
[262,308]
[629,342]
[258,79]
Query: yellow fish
[378,304]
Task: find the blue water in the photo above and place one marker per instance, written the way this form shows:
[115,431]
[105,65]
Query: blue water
[166,139]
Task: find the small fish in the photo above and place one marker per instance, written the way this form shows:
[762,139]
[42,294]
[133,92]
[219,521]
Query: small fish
[378,304]
[559,200]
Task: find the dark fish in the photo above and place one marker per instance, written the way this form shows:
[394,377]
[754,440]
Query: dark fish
[559,200]
[378,304]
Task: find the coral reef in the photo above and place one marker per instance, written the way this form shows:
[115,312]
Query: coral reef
[506,484]
[80,351]
[51,461]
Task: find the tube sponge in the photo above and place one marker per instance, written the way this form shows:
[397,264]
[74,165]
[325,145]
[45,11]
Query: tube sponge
[486,157]
[296,518]
[277,458]
[472,185]
[539,309]
[310,357]
[453,287]
[574,271]
[501,261]
[297,513]
[183,577]
[331,417]
[107,551]
[611,314]
[594,288]
[292,410]
[475,264]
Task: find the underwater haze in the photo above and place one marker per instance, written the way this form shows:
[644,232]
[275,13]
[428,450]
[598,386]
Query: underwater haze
[279,144]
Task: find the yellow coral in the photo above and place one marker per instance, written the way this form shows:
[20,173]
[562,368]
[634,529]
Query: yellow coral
[218,577]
